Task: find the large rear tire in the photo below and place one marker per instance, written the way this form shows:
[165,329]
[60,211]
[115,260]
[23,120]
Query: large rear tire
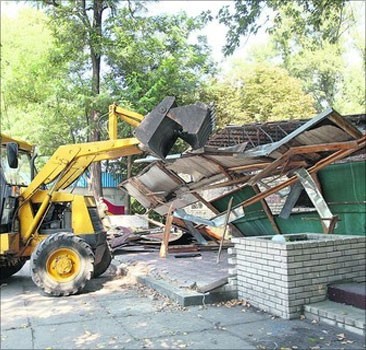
[104,263]
[9,267]
[62,264]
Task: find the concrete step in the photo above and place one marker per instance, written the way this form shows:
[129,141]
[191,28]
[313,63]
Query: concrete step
[187,297]
[343,316]
[350,293]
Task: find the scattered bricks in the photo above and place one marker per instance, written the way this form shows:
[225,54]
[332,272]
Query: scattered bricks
[232,261]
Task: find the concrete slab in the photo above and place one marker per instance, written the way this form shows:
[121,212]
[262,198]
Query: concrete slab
[91,334]
[229,316]
[185,296]
[183,273]
[17,338]
[294,334]
[179,279]
[163,324]
[128,307]
[212,339]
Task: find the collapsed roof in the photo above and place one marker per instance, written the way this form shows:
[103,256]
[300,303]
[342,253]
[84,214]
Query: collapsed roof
[282,150]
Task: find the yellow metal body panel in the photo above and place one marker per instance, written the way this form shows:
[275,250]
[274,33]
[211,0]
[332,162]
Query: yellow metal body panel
[4,243]
[80,218]
[81,223]
[24,146]
[70,161]
[9,243]
[129,117]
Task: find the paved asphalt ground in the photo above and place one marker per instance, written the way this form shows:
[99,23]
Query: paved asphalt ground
[115,313]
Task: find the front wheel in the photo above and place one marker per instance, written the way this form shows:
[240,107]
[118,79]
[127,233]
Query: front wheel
[62,264]
[104,263]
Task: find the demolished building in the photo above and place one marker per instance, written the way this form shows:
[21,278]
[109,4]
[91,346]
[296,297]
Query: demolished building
[284,177]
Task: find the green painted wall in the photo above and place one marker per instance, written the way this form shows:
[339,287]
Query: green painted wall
[344,189]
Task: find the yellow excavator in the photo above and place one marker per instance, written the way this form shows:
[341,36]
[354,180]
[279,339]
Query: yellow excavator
[60,232]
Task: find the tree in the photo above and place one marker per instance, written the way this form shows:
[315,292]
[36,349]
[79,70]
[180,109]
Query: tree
[78,27]
[33,88]
[308,38]
[259,93]
[151,58]
[308,15]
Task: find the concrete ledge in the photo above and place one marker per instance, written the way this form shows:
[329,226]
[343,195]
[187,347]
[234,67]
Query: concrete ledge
[186,297]
[343,316]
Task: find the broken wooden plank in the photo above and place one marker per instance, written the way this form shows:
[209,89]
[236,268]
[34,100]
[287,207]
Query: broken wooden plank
[225,227]
[345,125]
[189,248]
[234,231]
[326,147]
[168,226]
[189,255]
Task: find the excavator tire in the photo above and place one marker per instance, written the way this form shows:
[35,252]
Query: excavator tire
[62,264]
[10,267]
[104,263]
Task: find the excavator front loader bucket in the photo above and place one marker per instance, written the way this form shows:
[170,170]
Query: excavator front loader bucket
[161,128]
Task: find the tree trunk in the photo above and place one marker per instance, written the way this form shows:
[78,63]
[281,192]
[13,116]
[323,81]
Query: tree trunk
[96,171]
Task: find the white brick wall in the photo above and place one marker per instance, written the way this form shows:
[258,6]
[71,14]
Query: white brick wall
[282,277]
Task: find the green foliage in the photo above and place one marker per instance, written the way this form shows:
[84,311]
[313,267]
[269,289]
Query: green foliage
[351,99]
[32,88]
[309,38]
[259,93]
[309,16]
[151,58]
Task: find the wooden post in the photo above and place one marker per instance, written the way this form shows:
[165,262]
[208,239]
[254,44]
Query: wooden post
[129,173]
[225,227]
[168,225]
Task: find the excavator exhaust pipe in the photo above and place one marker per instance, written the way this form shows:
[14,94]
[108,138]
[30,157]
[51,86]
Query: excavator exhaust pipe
[161,128]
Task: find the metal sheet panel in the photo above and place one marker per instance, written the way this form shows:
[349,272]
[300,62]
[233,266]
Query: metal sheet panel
[157,180]
[196,166]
